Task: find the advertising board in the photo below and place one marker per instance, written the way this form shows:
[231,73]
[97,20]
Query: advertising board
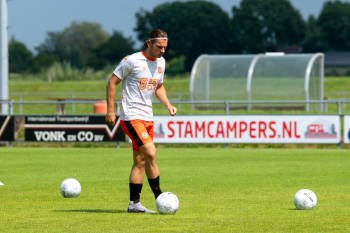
[71,129]
[346,129]
[247,129]
[7,128]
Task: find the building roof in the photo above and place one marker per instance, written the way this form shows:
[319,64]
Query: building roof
[337,59]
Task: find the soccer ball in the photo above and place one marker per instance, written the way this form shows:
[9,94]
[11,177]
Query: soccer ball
[70,188]
[167,203]
[305,199]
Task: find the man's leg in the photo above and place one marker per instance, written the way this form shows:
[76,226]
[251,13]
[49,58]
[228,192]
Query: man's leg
[149,152]
[136,176]
[137,131]
[135,185]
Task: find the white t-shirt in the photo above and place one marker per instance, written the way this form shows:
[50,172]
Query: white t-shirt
[140,76]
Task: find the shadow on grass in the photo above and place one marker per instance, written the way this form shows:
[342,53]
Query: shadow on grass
[94,211]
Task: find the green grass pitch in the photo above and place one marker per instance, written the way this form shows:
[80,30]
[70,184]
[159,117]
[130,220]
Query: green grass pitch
[220,190]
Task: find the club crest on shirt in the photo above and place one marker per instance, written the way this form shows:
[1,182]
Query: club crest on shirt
[160,70]
[125,59]
[144,134]
[144,68]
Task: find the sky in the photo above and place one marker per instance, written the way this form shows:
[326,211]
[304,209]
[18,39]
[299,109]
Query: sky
[30,20]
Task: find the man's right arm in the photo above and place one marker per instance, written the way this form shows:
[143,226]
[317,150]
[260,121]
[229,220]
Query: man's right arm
[110,94]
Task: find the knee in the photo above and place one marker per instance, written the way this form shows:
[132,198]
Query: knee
[151,155]
[140,162]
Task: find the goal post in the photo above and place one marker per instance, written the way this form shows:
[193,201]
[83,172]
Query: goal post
[4,86]
[265,77]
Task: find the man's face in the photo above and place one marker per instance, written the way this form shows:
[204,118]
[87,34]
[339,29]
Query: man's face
[158,47]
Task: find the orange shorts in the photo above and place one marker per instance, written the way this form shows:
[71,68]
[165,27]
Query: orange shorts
[139,131]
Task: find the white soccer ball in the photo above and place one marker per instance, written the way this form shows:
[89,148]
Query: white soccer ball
[70,188]
[305,199]
[167,203]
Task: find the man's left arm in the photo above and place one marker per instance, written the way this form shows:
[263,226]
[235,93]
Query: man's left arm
[163,98]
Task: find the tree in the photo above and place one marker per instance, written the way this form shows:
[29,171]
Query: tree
[261,26]
[111,51]
[175,65]
[314,41]
[193,28]
[334,22]
[42,61]
[74,43]
[19,56]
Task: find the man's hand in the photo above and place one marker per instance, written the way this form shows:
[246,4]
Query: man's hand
[172,110]
[110,118]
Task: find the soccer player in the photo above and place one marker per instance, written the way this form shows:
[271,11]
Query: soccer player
[142,76]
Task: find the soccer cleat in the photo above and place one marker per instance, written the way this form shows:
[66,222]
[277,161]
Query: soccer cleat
[138,208]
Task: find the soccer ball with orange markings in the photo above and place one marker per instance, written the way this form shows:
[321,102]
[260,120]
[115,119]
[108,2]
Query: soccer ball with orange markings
[167,203]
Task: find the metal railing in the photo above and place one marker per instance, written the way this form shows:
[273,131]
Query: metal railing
[179,96]
[338,95]
[171,95]
[226,104]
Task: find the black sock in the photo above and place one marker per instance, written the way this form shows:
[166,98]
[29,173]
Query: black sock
[154,183]
[135,192]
